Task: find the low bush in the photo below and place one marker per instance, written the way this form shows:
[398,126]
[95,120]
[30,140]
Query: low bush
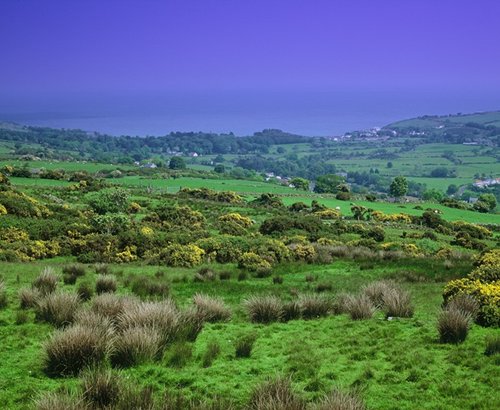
[275,394]
[453,325]
[46,282]
[105,284]
[339,399]
[212,351]
[314,306]
[69,351]
[264,309]
[360,307]
[101,387]
[212,309]
[244,344]
[57,308]
[242,276]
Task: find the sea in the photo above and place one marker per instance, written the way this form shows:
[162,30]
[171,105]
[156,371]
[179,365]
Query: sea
[311,113]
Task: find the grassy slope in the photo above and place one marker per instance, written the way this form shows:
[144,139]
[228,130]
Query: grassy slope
[486,118]
[398,364]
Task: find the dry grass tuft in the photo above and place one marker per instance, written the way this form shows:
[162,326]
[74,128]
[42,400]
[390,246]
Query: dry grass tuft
[275,394]
[46,282]
[341,400]
[360,307]
[57,308]
[212,309]
[264,309]
[453,325]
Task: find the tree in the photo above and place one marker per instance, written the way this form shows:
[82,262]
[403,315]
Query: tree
[389,164]
[300,183]
[489,200]
[177,163]
[399,187]
[219,168]
[328,183]
[452,189]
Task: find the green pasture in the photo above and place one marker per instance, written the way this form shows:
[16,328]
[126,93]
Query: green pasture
[396,364]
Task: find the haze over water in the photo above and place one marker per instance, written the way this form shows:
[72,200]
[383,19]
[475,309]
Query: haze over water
[313,113]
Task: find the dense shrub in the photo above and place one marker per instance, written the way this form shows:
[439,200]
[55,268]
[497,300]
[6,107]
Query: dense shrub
[212,309]
[57,308]
[253,262]
[264,309]
[180,255]
[105,284]
[73,349]
[275,394]
[453,325]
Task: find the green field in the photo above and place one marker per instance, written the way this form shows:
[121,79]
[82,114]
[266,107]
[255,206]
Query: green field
[397,364]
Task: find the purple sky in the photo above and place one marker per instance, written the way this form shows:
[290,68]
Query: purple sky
[136,46]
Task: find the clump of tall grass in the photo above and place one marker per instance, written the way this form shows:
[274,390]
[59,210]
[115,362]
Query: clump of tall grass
[275,394]
[57,308]
[314,306]
[111,305]
[46,282]
[74,269]
[397,303]
[291,311]
[243,345]
[59,401]
[28,297]
[339,399]
[102,269]
[96,321]
[3,295]
[205,275]
[360,307]
[70,350]
[465,303]
[146,287]
[85,291]
[101,387]
[135,345]
[340,303]
[375,291]
[191,323]
[212,351]
[264,309]
[105,284]
[162,317]
[212,309]
[492,345]
[453,325]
